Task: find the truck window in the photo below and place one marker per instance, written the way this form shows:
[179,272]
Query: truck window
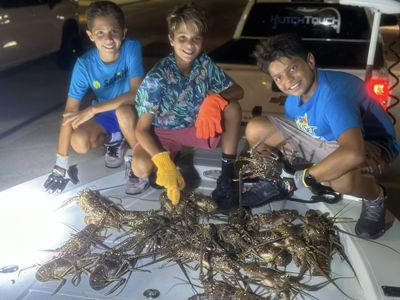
[311,21]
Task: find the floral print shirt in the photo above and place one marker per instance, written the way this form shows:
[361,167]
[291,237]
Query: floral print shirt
[175,99]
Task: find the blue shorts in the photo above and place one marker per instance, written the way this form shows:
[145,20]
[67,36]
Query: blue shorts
[108,120]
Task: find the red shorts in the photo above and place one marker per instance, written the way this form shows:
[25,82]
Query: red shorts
[172,140]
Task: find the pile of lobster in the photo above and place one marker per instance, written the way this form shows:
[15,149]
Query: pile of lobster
[239,256]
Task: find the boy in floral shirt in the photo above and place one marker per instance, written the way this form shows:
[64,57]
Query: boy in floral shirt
[186,99]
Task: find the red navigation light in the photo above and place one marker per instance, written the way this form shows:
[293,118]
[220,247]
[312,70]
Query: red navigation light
[379,89]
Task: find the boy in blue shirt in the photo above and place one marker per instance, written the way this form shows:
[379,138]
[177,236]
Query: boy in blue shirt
[333,123]
[113,70]
[186,99]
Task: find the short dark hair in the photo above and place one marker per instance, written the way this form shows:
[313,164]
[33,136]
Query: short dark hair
[185,13]
[103,9]
[279,46]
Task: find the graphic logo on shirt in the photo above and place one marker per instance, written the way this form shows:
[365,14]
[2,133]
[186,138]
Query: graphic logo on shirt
[302,124]
[96,84]
[117,76]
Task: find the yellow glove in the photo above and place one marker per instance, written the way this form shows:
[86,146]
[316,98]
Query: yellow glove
[168,176]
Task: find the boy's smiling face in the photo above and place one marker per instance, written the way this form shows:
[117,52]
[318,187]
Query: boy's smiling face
[294,76]
[107,35]
[187,43]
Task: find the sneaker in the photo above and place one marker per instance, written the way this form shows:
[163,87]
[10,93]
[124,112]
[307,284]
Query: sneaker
[371,223]
[114,156]
[265,191]
[212,174]
[136,185]
[226,194]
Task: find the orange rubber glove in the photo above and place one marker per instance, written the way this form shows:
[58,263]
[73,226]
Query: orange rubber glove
[168,176]
[208,121]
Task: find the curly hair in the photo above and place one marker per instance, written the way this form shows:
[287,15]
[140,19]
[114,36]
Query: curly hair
[278,46]
[104,9]
[186,13]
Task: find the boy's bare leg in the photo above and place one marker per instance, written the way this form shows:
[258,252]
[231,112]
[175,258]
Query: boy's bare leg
[142,164]
[357,184]
[127,120]
[260,128]
[88,136]
[230,137]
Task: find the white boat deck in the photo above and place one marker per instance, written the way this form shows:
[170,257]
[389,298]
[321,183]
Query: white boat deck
[31,223]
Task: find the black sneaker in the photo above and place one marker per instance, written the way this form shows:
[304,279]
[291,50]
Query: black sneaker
[226,194]
[265,191]
[371,223]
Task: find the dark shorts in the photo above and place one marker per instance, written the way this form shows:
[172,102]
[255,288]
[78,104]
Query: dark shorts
[108,120]
[302,145]
[172,140]
[312,150]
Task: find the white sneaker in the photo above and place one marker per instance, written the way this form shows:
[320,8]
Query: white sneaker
[134,184]
[114,156]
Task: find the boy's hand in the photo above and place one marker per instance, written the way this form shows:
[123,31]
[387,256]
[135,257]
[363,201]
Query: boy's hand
[78,118]
[208,121]
[168,176]
[299,179]
[302,180]
[59,177]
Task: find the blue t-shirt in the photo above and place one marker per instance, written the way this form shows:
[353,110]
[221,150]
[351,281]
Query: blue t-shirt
[175,99]
[341,102]
[107,81]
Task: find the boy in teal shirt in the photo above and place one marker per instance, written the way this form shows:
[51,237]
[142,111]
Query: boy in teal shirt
[332,123]
[113,70]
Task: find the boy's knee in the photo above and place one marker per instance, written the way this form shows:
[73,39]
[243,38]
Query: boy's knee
[125,114]
[257,127]
[80,144]
[233,112]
